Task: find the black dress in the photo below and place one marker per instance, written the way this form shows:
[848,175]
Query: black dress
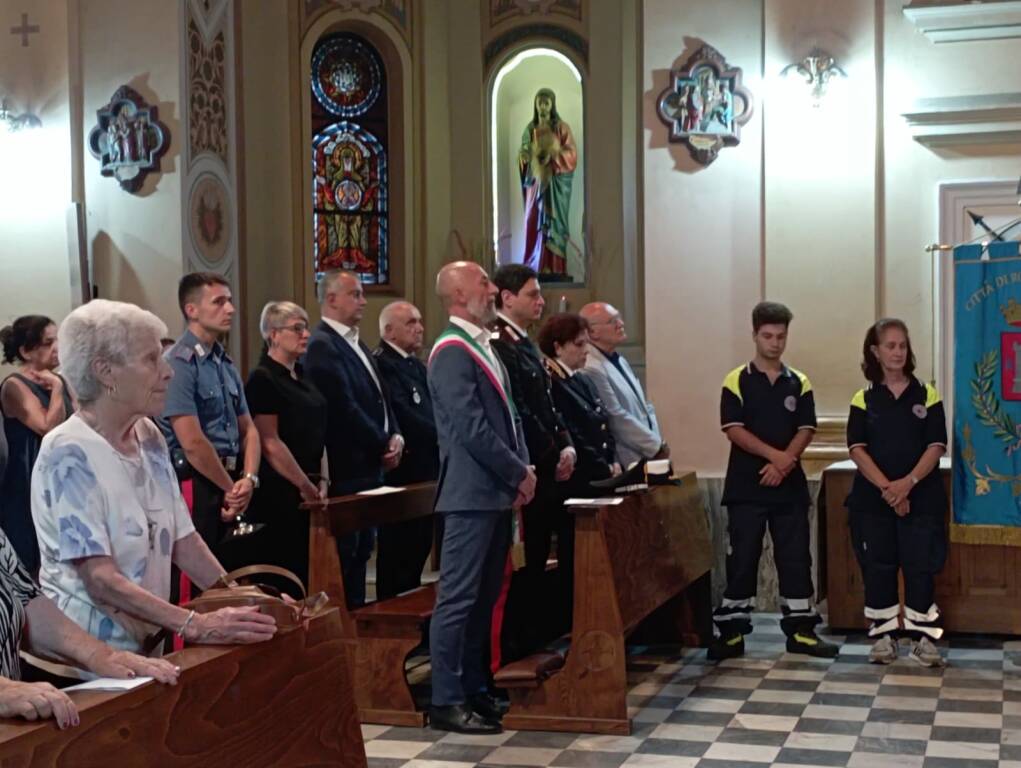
[16,486]
[301,424]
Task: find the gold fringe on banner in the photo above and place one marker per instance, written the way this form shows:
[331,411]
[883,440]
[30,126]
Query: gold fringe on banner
[1002,535]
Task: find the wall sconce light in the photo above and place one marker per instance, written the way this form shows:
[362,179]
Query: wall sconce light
[818,68]
[10,122]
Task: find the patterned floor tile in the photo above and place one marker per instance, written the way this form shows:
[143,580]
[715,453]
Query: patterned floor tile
[769,708]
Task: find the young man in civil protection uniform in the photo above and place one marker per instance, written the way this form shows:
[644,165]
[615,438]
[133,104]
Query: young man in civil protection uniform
[767,411]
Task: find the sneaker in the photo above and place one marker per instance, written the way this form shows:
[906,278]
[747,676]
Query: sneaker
[726,648]
[809,643]
[884,651]
[924,652]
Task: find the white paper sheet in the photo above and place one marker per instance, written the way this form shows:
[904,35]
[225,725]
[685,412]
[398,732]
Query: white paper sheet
[604,502]
[109,684]
[381,491]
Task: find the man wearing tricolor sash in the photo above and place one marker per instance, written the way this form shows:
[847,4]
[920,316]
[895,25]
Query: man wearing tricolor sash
[484,475]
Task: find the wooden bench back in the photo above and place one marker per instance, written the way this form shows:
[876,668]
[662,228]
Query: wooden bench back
[345,514]
[288,701]
[657,543]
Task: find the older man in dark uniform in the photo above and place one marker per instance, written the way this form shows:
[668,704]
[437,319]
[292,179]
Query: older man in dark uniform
[405,377]
[519,305]
[212,440]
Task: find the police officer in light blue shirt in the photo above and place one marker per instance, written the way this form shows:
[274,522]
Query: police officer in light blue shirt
[211,436]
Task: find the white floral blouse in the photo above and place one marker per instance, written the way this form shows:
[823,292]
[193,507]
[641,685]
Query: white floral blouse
[88,499]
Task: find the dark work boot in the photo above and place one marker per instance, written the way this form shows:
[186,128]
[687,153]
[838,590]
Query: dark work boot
[807,642]
[729,647]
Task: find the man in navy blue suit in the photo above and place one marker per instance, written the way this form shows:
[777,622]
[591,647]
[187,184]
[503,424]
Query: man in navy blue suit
[362,437]
[484,474]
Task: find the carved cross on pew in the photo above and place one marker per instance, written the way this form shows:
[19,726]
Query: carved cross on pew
[597,650]
[25,30]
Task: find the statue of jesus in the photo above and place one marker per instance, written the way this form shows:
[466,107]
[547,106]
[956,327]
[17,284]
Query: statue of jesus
[546,163]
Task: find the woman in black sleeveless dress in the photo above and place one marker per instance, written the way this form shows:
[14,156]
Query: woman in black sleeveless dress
[290,414]
[33,401]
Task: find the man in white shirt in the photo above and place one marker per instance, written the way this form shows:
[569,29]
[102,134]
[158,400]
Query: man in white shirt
[362,437]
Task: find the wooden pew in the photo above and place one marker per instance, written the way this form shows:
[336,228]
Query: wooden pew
[379,636]
[283,702]
[645,561]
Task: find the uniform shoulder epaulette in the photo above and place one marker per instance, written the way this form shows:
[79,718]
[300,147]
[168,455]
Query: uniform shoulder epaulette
[806,385]
[506,332]
[182,351]
[553,369]
[858,401]
[732,382]
[931,395]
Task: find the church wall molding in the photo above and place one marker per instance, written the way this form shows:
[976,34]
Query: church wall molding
[212,218]
[962,120]
[501,48]
[967,22]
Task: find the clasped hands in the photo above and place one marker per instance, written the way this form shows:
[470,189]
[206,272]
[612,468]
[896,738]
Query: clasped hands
[780,465]
[526,488]
[565,466]
[392,455]
[237,499]
[895,493]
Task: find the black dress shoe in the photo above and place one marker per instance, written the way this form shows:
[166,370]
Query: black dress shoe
[488,706]
[460,719]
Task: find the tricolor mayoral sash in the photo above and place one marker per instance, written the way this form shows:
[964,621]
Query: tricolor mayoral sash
[456,335]
[987,395]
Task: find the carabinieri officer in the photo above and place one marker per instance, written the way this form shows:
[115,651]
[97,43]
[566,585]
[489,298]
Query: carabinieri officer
[896,433]
[767,411]
[212,439]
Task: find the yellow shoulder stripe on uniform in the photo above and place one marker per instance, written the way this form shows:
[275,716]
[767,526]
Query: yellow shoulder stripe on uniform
[858,401]
[931,396]
[806,385]
[733,382]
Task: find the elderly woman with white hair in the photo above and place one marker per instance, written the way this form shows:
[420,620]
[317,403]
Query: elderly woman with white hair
[290,415]
[105,500]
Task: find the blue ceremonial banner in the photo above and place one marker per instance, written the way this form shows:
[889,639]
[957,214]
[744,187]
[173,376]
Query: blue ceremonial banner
[987,395]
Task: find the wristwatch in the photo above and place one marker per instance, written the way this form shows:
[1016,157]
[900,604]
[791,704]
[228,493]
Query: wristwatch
[253,477]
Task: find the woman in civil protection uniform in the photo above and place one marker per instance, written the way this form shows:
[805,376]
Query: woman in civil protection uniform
[896,434]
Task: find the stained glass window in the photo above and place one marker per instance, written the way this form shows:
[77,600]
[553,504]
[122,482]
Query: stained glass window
[349,159]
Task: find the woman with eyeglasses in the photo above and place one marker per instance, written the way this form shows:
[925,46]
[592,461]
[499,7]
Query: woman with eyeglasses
[290,414]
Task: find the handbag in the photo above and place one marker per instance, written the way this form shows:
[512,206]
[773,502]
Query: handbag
[288,614]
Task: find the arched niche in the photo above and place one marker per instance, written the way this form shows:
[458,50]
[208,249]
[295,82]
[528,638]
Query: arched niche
[516,165]
[396,60]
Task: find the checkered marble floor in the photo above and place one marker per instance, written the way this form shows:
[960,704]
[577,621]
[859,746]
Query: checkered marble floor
[771,708]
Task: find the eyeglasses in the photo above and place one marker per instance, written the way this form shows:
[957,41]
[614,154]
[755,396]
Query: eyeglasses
[298,328]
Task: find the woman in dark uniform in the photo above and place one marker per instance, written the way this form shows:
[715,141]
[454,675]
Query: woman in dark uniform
[563,339]
[290,414]
[33,401]
[896,434]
